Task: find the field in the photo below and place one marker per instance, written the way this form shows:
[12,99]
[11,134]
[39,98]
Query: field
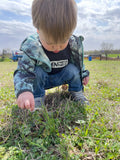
[63,130]
[114,55]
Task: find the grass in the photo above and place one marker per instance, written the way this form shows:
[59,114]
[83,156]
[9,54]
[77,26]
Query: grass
[114,55]
[63,130]
[5,58]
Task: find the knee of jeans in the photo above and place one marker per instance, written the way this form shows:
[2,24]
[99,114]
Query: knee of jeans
[39,72]
[73,70]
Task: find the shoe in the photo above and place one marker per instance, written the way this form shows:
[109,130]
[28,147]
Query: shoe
[79,96]
[39,101]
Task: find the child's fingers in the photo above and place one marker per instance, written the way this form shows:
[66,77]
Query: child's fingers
[27,104]
[32,106]
[84,82]
[20,105]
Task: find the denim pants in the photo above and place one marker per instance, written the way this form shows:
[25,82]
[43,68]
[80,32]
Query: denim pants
[68,75]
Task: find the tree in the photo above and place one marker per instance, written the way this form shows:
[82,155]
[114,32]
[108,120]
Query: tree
[6,53]
[106,48]
[3,54]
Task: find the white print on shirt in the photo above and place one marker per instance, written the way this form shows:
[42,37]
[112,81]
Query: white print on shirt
[59,64]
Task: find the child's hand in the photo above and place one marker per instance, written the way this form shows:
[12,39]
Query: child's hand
[85,80]
[26,100]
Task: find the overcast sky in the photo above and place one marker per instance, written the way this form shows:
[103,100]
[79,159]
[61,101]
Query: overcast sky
[98,21]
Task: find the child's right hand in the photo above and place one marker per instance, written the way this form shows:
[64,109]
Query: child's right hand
[26,101]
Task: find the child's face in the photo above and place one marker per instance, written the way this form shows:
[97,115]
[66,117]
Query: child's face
[50,45]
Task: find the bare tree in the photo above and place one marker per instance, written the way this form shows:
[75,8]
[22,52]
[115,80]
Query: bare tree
[6,52]
[3,54]
[106,48]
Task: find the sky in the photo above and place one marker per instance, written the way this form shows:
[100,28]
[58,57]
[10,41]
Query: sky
[98,22]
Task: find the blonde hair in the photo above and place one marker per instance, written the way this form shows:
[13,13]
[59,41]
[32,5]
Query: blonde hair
[55,18]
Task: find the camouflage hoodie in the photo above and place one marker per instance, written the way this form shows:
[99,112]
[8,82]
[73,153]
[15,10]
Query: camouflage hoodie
[34,55]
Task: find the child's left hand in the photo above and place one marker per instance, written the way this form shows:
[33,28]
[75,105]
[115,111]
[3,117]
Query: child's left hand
[85,80]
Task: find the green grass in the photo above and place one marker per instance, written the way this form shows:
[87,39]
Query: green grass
[114,55]
[63,130]
[5,59]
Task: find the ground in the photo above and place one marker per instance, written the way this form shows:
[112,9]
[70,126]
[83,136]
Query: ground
[63,130]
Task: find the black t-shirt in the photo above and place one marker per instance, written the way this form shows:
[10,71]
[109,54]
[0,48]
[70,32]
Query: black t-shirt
[58,60]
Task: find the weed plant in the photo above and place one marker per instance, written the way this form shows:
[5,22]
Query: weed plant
[63,129]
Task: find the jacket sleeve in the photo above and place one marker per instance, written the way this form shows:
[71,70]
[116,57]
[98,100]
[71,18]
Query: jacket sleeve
[24,75]
[85,73]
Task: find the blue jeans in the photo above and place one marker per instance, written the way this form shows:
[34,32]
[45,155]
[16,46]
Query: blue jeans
[69,75]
